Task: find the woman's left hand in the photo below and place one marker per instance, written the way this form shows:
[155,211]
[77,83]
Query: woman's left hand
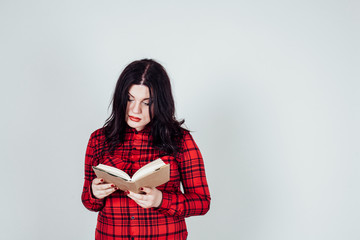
[151,198]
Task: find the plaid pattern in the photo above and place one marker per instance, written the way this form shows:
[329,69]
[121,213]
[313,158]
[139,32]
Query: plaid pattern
[119,216]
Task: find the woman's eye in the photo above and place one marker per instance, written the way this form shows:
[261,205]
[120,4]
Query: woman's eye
[147,104]
[130,100]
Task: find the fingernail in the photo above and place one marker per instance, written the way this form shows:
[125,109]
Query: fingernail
[127,192]
[101,180]
[141,188]
[112,185]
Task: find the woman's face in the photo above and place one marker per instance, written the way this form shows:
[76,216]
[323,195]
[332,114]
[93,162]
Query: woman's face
[137,110]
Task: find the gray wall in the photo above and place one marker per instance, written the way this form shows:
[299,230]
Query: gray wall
[270,89]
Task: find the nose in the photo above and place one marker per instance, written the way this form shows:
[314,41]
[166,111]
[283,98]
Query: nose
[136,107]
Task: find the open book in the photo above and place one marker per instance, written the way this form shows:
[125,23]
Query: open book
[152,174]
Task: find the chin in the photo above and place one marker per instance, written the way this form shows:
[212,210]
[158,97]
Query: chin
[134,125]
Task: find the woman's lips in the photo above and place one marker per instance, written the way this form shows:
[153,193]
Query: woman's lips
[134,119]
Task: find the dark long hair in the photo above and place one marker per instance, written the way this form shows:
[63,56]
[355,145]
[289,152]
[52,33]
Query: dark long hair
[166,131]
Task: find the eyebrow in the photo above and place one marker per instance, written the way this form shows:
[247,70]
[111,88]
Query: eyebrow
[134,97]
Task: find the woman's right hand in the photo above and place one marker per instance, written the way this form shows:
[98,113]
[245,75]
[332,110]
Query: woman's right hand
[101,189]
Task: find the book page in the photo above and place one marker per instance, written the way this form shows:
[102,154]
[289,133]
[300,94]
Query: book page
[113,171]
[147,169]
[153,178]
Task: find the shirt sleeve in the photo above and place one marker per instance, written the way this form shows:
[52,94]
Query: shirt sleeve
[87,198]
[196,197]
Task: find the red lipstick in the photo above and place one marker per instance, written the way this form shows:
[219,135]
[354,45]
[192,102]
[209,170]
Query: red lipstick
[134,119]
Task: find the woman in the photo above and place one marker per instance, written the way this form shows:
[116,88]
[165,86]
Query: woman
[142,128]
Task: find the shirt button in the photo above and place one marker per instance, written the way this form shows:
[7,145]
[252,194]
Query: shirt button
[132,217]
[134,148]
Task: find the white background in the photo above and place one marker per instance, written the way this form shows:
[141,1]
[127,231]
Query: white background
[269,88]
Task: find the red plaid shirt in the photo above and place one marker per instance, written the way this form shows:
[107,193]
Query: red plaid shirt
[119,216]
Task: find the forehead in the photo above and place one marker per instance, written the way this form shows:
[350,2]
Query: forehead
[139,91]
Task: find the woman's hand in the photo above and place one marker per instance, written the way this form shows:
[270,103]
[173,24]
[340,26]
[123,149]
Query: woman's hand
[151,198]
[101,189]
